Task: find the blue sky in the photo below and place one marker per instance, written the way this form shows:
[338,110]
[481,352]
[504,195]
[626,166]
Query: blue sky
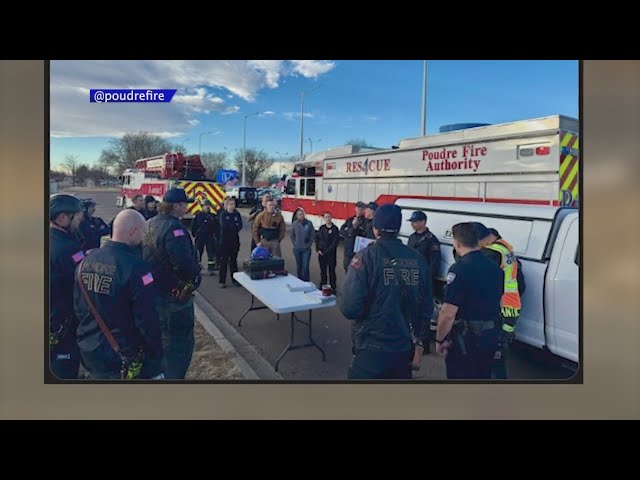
[377,100]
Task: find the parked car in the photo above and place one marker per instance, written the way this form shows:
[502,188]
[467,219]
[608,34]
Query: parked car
[243,195]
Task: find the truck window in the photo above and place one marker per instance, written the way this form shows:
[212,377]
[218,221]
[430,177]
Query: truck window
[311,187]
[291,187]
[301,190]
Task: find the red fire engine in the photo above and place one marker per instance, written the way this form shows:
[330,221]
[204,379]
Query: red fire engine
[155,175]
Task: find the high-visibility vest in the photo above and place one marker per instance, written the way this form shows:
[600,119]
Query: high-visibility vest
[510,303]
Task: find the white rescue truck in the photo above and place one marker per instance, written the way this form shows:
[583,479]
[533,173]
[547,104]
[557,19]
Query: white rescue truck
[528,162]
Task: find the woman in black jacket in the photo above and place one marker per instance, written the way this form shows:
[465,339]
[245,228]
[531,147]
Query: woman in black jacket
[326,244]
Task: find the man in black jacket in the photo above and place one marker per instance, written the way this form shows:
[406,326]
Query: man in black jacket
[206,229]
[326,244]
[168,248]
[121,287]
[65,252]
[369,212]
[92,228]
[387,294]
[354,227]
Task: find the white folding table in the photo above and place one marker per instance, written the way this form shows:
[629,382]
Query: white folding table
[275,295]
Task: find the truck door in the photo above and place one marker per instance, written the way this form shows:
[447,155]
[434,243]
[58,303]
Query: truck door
[562,309]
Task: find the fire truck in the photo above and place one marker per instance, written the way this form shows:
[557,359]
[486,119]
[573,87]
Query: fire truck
[155,175]
[529,162]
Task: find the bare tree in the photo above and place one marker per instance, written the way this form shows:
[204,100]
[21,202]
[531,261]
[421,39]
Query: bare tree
[122,153]
[82,174]
[258,163]
[214,162]
[358,142]
[71,164]
[179,148]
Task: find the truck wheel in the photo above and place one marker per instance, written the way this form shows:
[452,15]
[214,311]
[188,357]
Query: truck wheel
[250,196]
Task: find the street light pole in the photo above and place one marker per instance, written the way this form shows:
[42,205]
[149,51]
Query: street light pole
[424,98]
[302,117]
[311,144]
[200,142]
[244,148]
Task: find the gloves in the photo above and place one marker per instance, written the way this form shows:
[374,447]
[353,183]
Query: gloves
[507,333]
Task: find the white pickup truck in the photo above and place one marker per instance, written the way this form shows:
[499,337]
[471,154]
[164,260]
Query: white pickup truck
[546,240]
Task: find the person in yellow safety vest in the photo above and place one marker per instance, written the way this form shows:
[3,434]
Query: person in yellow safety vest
[499,250]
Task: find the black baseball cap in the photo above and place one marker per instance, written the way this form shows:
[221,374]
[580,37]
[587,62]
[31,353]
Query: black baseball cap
[417,217]
[361,205]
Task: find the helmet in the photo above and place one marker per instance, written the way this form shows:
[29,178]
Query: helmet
[260,253]
[88,202]
[63,203]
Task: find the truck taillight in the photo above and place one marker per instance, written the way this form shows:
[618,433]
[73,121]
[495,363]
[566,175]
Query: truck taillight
[543,150]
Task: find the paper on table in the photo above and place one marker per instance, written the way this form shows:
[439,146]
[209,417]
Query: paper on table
[318,297]
[300,286]
[362,243]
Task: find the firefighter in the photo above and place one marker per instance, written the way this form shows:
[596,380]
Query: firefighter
[387,294]
[255,210]
[352,228]
[469,322]
[168,248]
[269,229]
[121,288]
[65,252]
[429,246]
[206,229]
[369,212]
[229,241]
[326,245]
[501,252]
[137,204]
[151,207]
[92,228]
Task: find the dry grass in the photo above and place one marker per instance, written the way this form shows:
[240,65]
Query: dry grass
[209,361]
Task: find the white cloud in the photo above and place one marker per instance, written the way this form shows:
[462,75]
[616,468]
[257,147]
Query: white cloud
[271,69]
[312,68]
[296,115]
[204,87]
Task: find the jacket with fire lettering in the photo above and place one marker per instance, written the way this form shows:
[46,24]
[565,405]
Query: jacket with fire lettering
[382,306]
[123,289]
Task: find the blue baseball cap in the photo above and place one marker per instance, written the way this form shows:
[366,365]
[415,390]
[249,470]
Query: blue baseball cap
[176,195]
[372,206]
[417,217]
[388,218]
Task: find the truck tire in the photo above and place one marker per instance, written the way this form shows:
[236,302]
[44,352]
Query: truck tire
[250,197]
